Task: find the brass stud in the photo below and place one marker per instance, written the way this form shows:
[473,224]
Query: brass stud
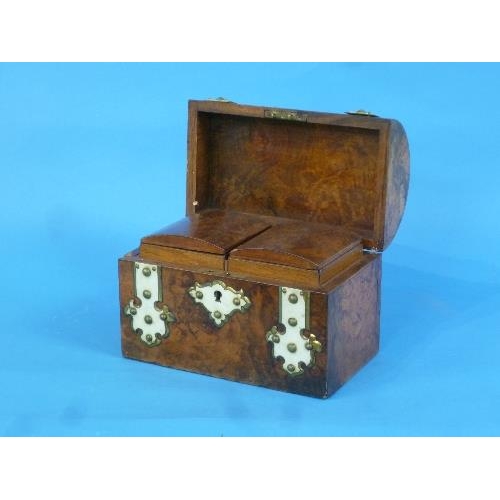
[275,338]
[217,314]
[133,310]
[149,337]
[315,344]
[292,321]
[199,295]
[291,347]
[163,316]
[291,368]
[146,271]
[292,298]
[236,301]
[146,294]
[148,319]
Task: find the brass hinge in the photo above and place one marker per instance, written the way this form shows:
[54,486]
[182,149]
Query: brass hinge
[219,99]
[283,114]
[361,112]
[372,250]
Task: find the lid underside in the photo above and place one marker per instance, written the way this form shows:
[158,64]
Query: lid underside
[316,167]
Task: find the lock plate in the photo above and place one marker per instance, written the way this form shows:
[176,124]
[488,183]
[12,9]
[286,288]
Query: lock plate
[293,345]
[221,301]
[150,319]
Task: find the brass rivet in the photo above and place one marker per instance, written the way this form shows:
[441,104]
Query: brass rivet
[217,314]
[146,294]
[291,347]
[199,295]
[149,337]
[148,319]
[163,316]
[133,310]
[292,298]
[292,321]
[236,301]
[146,271]
[291,368]
[275,338]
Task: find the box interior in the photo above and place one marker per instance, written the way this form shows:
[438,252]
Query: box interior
[305,171]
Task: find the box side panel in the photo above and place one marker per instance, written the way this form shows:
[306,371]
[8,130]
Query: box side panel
[353,323]
[398,180]
[239,349]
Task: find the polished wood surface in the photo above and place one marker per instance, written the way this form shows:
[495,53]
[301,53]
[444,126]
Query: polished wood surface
[211,231]
[398,181]
[309,279]
[277,198]
[184,259]
[263,248]
[336,169]
[238,350]
[353,322]
[305,246]
[345,321]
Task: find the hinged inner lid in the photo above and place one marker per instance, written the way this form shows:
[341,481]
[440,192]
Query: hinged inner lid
[202,240]
[253,246]
[342,170]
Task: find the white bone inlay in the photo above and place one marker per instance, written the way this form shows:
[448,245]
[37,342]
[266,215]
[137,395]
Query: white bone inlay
[148,319]
[220,300]
[292,345]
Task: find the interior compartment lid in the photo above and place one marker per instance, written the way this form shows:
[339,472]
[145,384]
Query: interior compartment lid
[305,246]
[212,231]
[337,169]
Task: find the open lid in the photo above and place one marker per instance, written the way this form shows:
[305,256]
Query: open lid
[336,169]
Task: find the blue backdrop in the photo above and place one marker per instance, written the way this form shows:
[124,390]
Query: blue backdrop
[93,156]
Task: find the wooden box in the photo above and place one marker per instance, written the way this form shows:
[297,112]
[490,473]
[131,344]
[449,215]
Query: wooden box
[273,277]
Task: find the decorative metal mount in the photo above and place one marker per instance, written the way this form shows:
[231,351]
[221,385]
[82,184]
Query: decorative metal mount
[220,300]
[296,350]
[361,112]
[150,319]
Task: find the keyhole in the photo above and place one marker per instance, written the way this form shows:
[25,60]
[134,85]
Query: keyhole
[217,295]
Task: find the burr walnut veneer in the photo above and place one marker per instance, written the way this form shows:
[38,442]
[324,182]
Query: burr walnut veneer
[273,277]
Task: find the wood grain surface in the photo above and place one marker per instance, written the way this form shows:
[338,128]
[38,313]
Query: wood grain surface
[236,351]
[353,323]
[344,321]
[211,231]
[306,246]
[277,198]
[328,168]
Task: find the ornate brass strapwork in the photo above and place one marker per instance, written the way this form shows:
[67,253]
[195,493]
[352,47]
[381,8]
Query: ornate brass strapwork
[292,345]
[221,301]
[150,320]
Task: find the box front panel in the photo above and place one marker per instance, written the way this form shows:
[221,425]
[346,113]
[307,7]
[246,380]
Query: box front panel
[224,327]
